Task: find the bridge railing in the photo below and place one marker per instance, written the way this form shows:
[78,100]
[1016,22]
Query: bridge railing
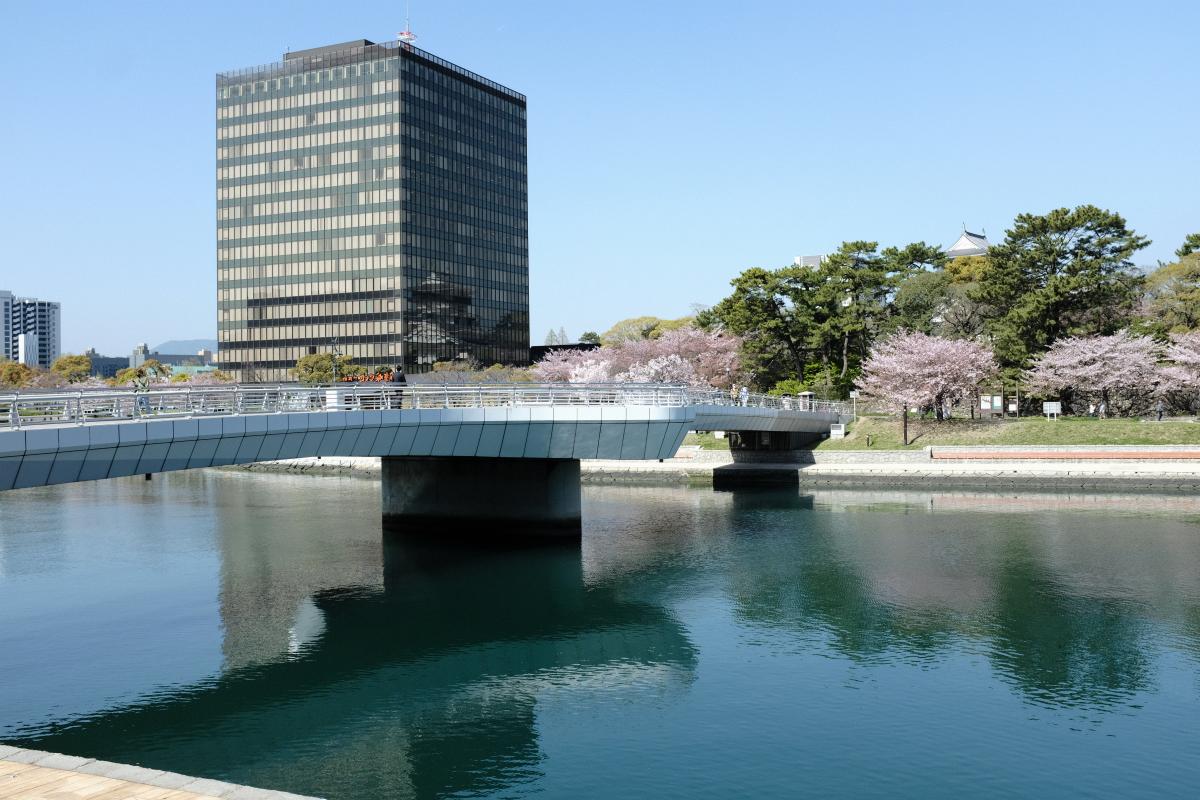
[24,409]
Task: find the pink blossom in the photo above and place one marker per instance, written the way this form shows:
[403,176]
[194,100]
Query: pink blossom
[664,369]
[1121,369]
[711,360]
[908,370]
[1184,353]
[592,370]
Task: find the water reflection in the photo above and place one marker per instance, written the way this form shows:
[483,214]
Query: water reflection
[1058,602]
[259,628]
[423,687]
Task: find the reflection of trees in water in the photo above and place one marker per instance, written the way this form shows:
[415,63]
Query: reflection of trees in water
[424,688]
[810,587]
[1060,648]
[879,586]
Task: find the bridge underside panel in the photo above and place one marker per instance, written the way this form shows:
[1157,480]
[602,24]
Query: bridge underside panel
[40,457]
[483,498]
[736,418]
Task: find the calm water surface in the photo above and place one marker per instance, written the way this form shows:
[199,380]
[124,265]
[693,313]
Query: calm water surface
[259,629]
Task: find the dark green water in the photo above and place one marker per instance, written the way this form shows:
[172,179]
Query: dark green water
[259,629]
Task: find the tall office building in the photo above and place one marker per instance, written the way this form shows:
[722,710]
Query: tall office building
[40,320]
[371,199]
[6,337]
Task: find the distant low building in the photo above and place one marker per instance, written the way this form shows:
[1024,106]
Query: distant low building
[968,244]
[809,261]
[538,351]
[142,354]
[106,366]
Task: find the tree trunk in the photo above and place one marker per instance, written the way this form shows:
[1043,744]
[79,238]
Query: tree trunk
[904,424]
[845,352]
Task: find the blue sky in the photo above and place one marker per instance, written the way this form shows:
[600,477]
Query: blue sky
[671,144]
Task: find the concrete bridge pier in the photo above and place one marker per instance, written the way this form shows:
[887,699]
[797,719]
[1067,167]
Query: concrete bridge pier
[482,497]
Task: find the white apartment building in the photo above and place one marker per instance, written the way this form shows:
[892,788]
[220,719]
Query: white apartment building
[41,320]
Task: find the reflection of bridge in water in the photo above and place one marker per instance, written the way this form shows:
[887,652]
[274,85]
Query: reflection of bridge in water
[424,686]
[479,457]
[404,669]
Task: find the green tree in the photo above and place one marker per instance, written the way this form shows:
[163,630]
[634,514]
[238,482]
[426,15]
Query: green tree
[775,313]
[855,285]
[317,368]
[151,370]
[589,337]
[1172,302]
[14,375]
[919,300]
[940,302]
[914,258]
[642,328]
[788,386]
[72,369]
[1191,244]
[1067,272]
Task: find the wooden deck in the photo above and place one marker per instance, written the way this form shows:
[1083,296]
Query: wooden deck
[35,775]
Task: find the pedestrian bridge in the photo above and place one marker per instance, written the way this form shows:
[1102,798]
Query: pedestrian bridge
[512,447]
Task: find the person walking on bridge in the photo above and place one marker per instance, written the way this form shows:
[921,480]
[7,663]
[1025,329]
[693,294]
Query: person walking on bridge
[744,396]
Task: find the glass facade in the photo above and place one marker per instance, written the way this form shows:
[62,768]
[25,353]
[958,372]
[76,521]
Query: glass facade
[371,198]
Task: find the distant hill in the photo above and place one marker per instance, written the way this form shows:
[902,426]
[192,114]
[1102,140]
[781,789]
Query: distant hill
[185,346]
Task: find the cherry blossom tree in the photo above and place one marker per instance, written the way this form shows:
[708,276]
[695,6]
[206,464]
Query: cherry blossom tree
[671,368]
[1180,378]
[1184,353]
[907,370]
[685,355]
[557,365]
[1121,371]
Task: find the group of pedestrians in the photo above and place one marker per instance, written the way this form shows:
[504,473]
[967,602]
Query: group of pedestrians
[739,395]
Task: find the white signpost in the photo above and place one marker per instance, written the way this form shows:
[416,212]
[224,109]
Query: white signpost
[1052,409]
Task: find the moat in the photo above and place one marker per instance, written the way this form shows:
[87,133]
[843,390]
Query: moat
[261,630]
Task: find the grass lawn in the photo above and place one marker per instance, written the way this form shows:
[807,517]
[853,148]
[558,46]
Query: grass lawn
[885,432]
[706,441]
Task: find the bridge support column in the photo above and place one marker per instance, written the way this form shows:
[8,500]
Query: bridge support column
[482,497]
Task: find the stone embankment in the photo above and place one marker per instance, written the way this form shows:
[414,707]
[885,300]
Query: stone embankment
[1165,467]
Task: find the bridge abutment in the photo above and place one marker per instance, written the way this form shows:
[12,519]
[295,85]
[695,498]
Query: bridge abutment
[482,497]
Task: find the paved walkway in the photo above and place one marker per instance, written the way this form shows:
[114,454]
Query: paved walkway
[37,775]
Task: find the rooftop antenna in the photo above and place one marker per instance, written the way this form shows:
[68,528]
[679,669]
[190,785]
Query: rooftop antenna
[406,36]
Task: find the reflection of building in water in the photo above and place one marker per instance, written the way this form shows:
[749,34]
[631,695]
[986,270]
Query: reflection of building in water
[633,528]
[428,686]
[270,573]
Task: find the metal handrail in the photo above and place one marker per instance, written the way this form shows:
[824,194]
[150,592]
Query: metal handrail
[24,409]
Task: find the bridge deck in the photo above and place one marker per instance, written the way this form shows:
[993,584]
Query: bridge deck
[64,438]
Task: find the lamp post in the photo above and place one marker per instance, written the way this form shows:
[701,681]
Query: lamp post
[336,354]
